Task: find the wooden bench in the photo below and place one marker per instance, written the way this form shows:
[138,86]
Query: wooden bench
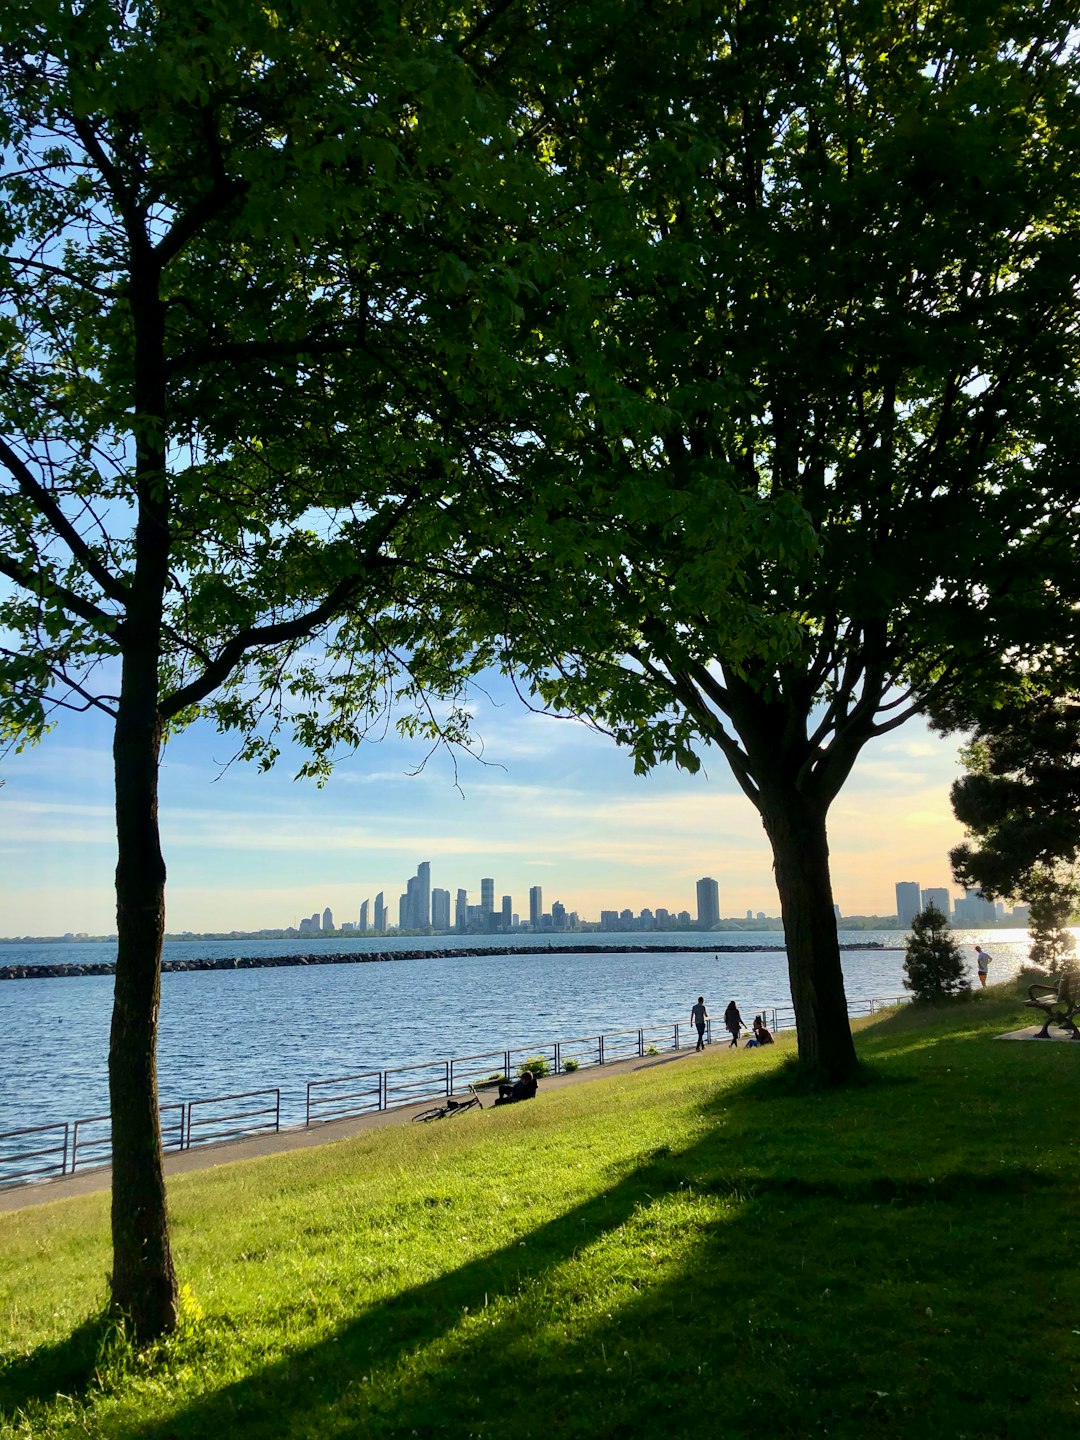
[1060,1003]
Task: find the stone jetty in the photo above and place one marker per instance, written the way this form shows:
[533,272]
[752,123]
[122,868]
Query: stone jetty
[380,957]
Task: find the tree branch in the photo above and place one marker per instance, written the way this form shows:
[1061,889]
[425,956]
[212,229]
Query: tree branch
[49,507]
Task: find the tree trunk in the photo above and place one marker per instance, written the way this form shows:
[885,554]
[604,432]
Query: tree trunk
[143,1279]
[796,828]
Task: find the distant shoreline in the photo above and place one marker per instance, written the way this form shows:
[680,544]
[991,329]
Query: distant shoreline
[376,957]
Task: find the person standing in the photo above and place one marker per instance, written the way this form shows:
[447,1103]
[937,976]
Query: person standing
[734,1023]
[982,963]
[699,1016]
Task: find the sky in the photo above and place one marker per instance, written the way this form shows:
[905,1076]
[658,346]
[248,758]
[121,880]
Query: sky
[551,804]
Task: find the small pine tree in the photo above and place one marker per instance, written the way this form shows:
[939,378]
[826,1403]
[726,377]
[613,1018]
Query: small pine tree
[934,967]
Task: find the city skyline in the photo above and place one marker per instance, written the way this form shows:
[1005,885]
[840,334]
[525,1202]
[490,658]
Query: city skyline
[550,803]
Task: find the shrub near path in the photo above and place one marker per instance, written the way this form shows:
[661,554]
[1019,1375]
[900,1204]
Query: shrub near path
[695,1248]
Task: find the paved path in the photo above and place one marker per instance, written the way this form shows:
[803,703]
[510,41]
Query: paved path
[228,1152]
[1031,1032]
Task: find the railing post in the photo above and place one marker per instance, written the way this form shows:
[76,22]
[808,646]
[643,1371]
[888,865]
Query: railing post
[676,1035]
[277,1112]
[641,1044]
[447,1072]
[506,1064]
[600,1048]
[558,1052]
[63,1163]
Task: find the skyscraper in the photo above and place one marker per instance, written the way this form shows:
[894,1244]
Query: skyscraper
[487,897]
[708,902]
[507,912]
[422,910]
[536,905]
[440,909]
[939,897]
[380,912]
[461,910]
[908,900]
[328,919]
[364,915]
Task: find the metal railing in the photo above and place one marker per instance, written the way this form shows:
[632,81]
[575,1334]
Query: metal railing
[43,1160]
[327,1099]
[255,1112]
[90,1150]
[250,1119]
[469,1069]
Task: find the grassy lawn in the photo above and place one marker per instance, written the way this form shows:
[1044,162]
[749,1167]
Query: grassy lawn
[697,1248]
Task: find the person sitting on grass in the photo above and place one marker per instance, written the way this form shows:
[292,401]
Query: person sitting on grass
[761,1034]
[523,1088]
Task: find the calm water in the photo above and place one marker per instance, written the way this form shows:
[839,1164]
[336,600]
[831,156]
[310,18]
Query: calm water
[236,1030]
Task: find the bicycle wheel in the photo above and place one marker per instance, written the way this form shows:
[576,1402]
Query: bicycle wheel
[425,1115]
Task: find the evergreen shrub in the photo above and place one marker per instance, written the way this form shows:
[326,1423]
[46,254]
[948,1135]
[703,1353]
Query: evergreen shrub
[934,967]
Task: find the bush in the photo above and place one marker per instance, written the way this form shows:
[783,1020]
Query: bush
[651,1050]
[934,968]
[538,1064]
[569,1066]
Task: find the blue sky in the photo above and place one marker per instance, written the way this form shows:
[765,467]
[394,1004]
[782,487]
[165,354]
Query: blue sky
[554,805]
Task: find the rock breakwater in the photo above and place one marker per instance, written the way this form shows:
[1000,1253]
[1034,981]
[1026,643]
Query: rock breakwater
[381,957]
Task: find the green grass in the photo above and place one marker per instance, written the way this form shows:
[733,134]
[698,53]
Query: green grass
[697,1248]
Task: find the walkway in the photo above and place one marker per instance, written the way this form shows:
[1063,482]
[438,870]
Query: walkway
[228,1152]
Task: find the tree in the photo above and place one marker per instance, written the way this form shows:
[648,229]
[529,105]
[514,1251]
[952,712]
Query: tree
[1051,907]
[1020,801]
[258,301]
[1020,796]
[933,964]
[819,434]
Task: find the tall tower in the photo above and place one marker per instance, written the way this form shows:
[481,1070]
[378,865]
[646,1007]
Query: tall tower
[328,919]
[440,910]
[380,912]
[908,900]
[422,908]
[708,902]
[939,897]
[364,915]
[487,897]
[507,912]
[461,910]
[536,905]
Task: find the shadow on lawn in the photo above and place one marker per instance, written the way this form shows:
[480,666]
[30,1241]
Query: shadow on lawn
[769,1177]
[664,1356]
[65,1368]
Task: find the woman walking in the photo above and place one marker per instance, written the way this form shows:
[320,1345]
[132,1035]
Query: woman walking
[734,1023]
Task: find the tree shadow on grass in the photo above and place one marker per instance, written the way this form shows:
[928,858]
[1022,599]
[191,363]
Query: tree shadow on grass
[65,1368]
[864,1327]
[848,1342]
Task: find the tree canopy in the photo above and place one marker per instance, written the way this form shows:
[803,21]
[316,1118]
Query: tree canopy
[816,448]
[1020,797]
[261,284]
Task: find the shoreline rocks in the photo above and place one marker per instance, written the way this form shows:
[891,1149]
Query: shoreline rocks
[378,957]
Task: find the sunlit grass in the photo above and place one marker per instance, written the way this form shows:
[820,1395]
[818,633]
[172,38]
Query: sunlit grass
[696,1245]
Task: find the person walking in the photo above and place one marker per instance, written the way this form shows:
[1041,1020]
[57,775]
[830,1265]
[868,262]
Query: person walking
[734,1023]
[982,963]
[699,1016]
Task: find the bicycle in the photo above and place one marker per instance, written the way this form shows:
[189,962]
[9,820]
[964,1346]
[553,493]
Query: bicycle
[449,1110]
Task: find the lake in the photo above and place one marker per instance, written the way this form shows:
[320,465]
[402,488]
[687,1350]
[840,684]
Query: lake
[234,1030]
